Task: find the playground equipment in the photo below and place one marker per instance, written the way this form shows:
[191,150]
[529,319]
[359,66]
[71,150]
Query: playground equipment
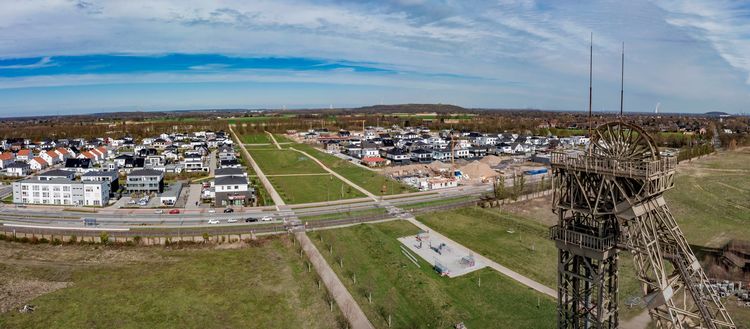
[440,268]
[439,248]
[468,260]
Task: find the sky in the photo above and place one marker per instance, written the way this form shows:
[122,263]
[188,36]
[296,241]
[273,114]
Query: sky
[83,56]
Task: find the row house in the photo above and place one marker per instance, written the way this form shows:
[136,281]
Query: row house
[61,191]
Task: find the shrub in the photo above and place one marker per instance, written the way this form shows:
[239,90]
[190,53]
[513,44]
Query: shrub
[56,241]
[206,236]
[137,239]
[73,239]
[43,240]
[104,237]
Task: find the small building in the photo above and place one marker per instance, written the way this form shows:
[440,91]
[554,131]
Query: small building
[170,195]
[57,173]
[375,161]
[224,172]
[145,181]
[24,155]
[78,165]
[18,169]
[37,163]
[112,177]
[233,191]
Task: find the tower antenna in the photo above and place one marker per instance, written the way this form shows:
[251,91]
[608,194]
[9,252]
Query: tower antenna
[622,78]
[591,75]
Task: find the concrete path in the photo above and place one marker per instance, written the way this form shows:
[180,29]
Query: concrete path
[274,140]
[365,192]
[193,197]
[263,179]
[336,288]
[502,269]
[212,163]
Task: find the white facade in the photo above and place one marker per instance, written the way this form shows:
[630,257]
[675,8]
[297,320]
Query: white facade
[61,191]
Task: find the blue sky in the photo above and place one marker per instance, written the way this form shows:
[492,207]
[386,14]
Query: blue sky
[75,56]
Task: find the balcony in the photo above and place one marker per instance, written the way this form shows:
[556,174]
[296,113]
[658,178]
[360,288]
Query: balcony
[582,240]
[597,164]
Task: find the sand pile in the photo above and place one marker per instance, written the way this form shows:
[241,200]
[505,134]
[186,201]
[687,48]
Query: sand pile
[478,170]
[493,160]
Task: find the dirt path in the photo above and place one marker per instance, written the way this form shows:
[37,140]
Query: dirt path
[365,192]
[263,179]
[336,288]
[292,175]
[274,140]
[494,265]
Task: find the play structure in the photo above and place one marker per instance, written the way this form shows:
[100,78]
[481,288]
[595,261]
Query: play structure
[468,260]
[446,259]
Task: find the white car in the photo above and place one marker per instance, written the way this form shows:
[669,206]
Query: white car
[231,220]
[213,221]
[212,210]
[158,211]
[266,219]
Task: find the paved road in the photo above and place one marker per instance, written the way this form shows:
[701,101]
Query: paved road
[335,287]
[263,179]
[502,269]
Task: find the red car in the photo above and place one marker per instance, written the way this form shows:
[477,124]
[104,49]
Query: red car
[174,211]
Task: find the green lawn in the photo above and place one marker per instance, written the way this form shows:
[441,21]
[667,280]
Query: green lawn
[281,162]
[367,179]
[306,189]
[266,286]
[437,202]
[711,198]
[344,214]
[256,139]
[419,297]
[281,138]
[528,250]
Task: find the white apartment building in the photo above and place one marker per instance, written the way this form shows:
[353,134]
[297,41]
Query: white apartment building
[61,191]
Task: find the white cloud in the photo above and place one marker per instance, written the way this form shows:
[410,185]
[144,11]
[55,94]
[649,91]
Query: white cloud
[44,62]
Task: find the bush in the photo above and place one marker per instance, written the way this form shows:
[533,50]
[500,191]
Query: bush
[43,240]
[33,240]
[73,239]
[56,241]
[137,239]
[104,237]
[206,237]
[3,237]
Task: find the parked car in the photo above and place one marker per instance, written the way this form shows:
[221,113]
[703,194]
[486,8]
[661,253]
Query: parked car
[174,211]
[251,220]
[231,220]
[228,210]
[158,211]
[131,201]
[213,221]
[266,218]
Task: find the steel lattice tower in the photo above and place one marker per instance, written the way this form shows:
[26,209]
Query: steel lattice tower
[609,198]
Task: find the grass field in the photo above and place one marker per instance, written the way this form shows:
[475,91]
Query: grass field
[367,179]
[266,286]
[283,162]
[711,198]
[256,139]
[281,138]
[528,250]
[344,214]
[419,297]
[305,189]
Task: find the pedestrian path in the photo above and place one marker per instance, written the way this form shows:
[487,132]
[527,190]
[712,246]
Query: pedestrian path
[494,265]
[263,179]
[359,188]
[336,288]
[274,140]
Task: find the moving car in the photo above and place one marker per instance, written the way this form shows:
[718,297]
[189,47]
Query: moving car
[266,218]
[211,211]
[228,210]
[174,211]
[251,220]
[231,220]
[158,211]
[213,221]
